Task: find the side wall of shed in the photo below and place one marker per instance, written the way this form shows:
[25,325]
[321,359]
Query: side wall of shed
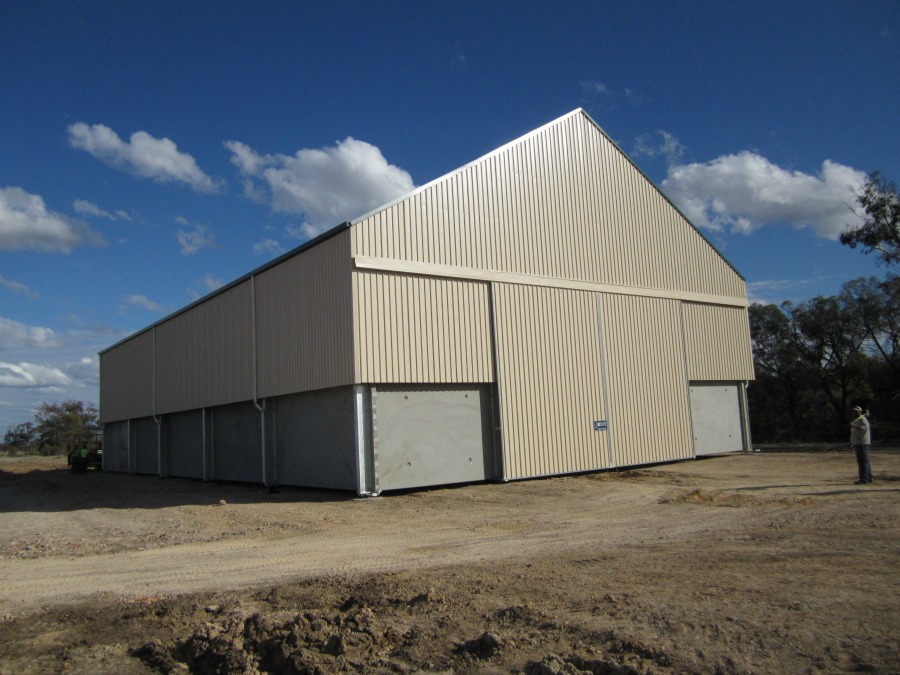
[285,329]
[126,379]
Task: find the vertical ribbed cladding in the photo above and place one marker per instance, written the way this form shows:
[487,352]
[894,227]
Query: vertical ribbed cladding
[561,202]
[551,380]
[126,379]
[204,357]
[718,343]
[650,419]
[304,321]
[413,329]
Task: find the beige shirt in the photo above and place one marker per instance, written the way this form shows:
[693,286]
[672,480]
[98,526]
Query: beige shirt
[859,431]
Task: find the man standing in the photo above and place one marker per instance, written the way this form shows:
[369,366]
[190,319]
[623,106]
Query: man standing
[860,440]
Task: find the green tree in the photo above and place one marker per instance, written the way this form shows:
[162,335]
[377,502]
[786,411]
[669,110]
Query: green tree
[830,340]
[880,227]
[782,380]
[876,304]
[20,439]
[60,427]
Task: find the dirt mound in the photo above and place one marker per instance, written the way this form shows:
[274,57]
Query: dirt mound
[397,636]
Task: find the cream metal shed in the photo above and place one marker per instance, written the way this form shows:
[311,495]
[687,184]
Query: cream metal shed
[543,310]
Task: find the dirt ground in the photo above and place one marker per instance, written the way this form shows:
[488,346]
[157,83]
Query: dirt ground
[771,562]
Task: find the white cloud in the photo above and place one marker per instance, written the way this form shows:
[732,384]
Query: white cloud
[27,223]
[17,333]
[302,231]
[144,302]
[86,208]
[156,158]
[212,283]
[17,287]
[66,370]
[268,246]
[743,192]
[328,186]
[193,241]
[670,147]
[31,375]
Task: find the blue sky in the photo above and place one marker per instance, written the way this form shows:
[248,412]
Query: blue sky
[152,151]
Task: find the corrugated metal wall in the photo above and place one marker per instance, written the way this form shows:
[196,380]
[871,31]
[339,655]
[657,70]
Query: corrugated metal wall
[126,379]
[562,202]
[421,329]
[204,356]
[305,321]
[717,340]
[286,329]
[649,410]
[550,380]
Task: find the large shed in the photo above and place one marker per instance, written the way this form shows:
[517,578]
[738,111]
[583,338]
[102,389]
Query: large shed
[543,310]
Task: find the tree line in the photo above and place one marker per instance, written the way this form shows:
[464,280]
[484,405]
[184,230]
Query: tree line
[816,359]
[57,429]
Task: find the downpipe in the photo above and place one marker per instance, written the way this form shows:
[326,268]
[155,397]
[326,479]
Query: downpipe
[262,430]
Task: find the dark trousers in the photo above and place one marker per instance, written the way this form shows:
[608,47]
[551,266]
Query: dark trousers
[862,461]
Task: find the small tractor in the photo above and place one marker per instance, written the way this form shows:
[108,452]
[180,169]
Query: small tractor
[87,454]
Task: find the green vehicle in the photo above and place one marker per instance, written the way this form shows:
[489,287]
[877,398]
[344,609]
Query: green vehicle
[88,454]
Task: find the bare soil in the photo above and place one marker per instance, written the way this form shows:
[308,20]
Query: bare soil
[771,562]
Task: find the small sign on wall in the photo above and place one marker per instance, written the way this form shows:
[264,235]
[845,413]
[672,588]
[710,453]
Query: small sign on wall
[601,425]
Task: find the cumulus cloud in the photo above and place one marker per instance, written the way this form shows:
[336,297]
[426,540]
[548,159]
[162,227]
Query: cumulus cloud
[328,185]
[27,223]
[17,333]
[31,376]
[193,240]
[86,208]
[744,192]
[143,155]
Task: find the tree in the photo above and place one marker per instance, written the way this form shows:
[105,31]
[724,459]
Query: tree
[782,377]
[58,428]
[830,339]
[816,358]
[21,439]
[876,305]
[880,229]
